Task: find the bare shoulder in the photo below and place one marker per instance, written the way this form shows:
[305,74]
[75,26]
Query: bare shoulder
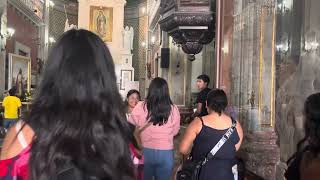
[11,146]
[195,125]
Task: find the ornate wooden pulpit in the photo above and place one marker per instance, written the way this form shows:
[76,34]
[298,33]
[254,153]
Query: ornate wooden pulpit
[191,23]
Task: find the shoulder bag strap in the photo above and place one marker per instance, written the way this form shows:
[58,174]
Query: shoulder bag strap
[145,127]
[224,139]
[21,138]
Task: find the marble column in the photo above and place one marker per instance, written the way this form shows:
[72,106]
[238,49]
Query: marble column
[208,63]
[297,73]
[252,76]
[3,30]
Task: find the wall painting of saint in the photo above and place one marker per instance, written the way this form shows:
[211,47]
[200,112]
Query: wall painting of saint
[19,74]
[101,22]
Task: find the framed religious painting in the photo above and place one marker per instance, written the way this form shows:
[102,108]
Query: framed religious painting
[125,77]
[19,74]
[101,22]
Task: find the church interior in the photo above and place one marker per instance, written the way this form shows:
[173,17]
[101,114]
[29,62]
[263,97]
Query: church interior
[263,53]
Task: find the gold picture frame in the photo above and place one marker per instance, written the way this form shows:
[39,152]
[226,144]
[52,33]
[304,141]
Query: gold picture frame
[101,22]
[19,68]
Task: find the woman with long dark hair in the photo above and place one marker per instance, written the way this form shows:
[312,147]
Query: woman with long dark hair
[76,128]
[305,163]
[160,120]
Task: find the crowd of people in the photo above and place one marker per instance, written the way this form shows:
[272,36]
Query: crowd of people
[79,127]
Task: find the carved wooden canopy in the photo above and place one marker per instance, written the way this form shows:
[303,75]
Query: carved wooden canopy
[190,23]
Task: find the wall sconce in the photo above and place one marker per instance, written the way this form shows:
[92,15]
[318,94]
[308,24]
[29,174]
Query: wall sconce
[225,48]
[283,47]
[51,40]
[143,44]
[153,40]
[143,10]
[51,3]
[282,7]
[311,46]
[311,43]
[284,44]
[10,32]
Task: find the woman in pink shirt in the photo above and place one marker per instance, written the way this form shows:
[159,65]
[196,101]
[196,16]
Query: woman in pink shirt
[157,139]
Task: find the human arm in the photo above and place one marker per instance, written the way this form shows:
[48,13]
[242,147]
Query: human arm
[11,146]
[201,99]
[240,133]
[189,136]
[197,112]
[176,120]
[19,104]
[4,102]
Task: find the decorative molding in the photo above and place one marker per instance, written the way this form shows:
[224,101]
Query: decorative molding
[194,3]
[154,11]
[166,5]
[71,7]
[177,19]
[21,47]
[26,11]
[118,2]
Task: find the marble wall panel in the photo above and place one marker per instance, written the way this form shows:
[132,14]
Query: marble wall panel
[3,24]
[297,72]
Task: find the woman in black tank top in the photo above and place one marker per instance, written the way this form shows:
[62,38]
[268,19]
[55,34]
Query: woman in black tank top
[204,133]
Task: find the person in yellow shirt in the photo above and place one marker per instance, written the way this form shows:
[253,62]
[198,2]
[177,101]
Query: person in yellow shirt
[11,106]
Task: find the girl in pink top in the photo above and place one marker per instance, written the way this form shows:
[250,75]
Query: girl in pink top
[157,139]
[133,97]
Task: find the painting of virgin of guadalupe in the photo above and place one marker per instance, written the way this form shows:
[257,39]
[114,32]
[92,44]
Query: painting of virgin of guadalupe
[101,21]
[19,74]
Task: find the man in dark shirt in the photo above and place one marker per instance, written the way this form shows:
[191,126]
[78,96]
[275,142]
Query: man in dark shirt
[202,84]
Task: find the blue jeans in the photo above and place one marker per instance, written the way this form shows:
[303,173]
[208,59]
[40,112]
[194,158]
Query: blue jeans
[7,123]
[158,164]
